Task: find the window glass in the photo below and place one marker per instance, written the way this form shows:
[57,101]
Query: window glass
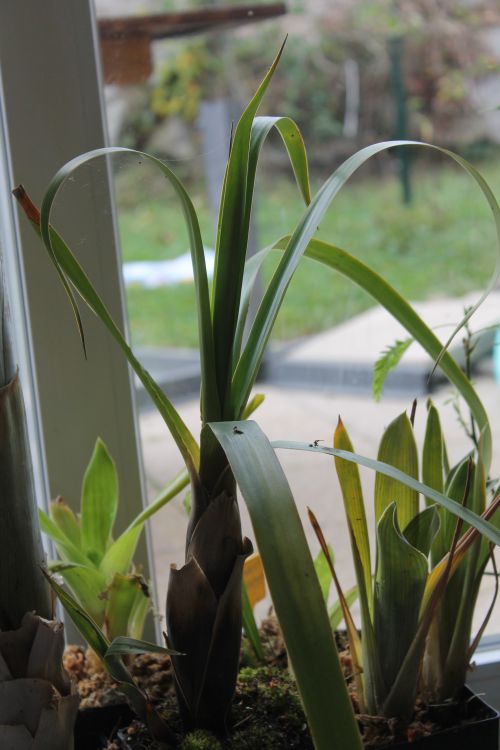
[351,75]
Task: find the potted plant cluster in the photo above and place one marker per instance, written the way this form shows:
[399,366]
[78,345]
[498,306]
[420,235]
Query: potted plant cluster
[204,600]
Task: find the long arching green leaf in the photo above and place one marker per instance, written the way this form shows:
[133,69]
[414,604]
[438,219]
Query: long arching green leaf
[209,400]
[171,490]
[293,584]
[349,266]
[487,528]
[251,358]
[67,265]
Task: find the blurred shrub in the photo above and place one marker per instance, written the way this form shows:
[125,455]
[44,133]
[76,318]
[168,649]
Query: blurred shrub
[444,53]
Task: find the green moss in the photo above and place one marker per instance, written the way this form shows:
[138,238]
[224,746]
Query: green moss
[267,712]
[200,740]
[247,655]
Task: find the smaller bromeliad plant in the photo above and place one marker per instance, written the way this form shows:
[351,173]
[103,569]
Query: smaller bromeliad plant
[98,569]
[418,604]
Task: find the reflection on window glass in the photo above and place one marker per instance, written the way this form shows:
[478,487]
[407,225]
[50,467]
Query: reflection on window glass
[352,74]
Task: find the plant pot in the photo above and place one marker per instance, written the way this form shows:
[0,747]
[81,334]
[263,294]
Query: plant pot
[95,726]
[480,730]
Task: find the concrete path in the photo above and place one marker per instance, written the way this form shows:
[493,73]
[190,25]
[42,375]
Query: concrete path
[343,357]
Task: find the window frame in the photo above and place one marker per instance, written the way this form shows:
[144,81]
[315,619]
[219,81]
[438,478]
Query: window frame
[52,110]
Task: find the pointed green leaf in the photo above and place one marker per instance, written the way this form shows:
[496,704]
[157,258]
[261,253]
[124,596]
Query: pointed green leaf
[397,448]
[121,598]
[433,451]
[374,685]
[253,266]
[232,238]
[82,620]
[88,586]
[459,600]
[119,556]
[166,495]
[137,617]
[350,485]
[455,489]
[422,529]
[65,520]
[253,405]
[65,547]
[294,144]
[294,586]
[123,646]
[399,587]
[99,502]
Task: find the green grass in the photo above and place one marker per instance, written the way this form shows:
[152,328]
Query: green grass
[443,244]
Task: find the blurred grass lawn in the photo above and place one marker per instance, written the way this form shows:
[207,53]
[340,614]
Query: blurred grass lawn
[443,244]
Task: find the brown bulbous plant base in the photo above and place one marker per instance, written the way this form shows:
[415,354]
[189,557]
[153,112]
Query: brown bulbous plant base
[266,713]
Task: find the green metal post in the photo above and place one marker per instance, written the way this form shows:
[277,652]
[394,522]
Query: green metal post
[396,49]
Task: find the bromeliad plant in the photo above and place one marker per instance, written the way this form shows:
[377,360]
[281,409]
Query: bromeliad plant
[98,569]
[204,596]
[416,610]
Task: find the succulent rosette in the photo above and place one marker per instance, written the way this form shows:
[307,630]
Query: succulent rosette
[38,702]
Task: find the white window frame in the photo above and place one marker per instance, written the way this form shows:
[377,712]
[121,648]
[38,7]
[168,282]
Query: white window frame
[52,110]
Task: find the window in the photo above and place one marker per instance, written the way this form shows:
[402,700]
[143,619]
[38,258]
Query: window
[53,110]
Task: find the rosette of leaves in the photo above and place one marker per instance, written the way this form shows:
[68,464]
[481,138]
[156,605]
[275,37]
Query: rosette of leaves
[418,603]
[204,614]
[38,703]
[98,569]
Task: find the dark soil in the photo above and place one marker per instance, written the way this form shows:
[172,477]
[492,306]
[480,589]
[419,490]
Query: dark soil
[266,712]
